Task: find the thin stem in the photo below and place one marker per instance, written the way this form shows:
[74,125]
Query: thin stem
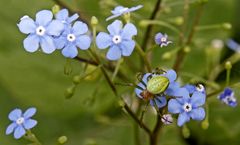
[147,37]
[228,76]
[120,61]
[31,137]
[144,57]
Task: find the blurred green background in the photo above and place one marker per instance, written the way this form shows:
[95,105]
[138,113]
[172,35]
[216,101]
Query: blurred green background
[38,80]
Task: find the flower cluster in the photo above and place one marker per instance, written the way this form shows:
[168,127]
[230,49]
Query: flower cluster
[228,97]
[52,34]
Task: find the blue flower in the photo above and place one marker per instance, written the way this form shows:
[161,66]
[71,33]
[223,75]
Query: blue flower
[167,119]
[227,97]
[40,31]
[21,122]
[233,45]
[173,89]
[120,10]
[119,40]
[192,88]
[188,107]
[73,37]
[162,40]
[63,16]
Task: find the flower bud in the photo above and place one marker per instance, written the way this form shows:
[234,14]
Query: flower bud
[187,49]
[94,21]
[127,17]
[55,9]
[167,56]
[77,79]
[143,23]
[62,140]
[228,65]
[157,84]
[167,119]
[178,21]
[227,26]
[185,132]
[69,92]
[205,124]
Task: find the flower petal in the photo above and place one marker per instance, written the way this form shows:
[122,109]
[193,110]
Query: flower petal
[73,18]
[183,118]
[19,132]
[174,106]
[129,31]
[103,40]
[145,77]
[160,102]
[60,42]
[127,47]
[62,15]
[29,113]
[31,43]
[11,128]
[29,123]
[113,16]
[135,8]
[55,28]
[27,26]
[44,17]
[171,75]
[70,51]
[15,114]
[47,44]
[114,53]
[190,88]
[83,42]
[115,27]
[197,114]
[79,28]
[198,99]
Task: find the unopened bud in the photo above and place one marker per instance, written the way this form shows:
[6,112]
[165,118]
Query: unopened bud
[94,21]
[157,84]
[55,9]
[167,56]
[227,26]
[178,21]
[167,119]
[62,140]
[228,65]
[187,49]
[185,132]
[77,79]
[205,124]
[69,92]
[143,23]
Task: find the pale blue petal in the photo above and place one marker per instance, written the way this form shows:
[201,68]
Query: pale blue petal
[115,27]
[139,91]
[129,31]
[174,106]
[31,43]
[160,102]
[103,40]
[118,10]
[19,132]
[114,53]
[171,75]
[198,99]
[158,37]
[47,44]
[55,28]
[197,114]
[60,42]
[44,17]
[183,118]
[27,26]
[127,47]
[79,28]
[190,88]
[182,95]
[145,77]
[11,128]
[135,8]
[113,16]
[233,45]
[73,18]
[29,123]
[70,51]
[15,114]
[173,89]
[29,113]
[62,15]
[83,42]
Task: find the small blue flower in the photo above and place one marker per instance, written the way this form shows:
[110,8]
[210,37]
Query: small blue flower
[192,88]
[119,40]
[173,89]
[63,16]
[120,10]
[162,40]
[228,97]
[233,45]
[40,31]
[21,122]
[73,37]
[188,107]
[167,119]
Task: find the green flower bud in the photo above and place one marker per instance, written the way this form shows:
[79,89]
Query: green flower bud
[178,21]
[55,9]
[69,92]
[77,79]
[93,73]
[127,17]
[185,132]
[94,21]
[205,124]
[167,56]
[62,140]
[143,23]
[187,49]
[228,65]
[157,84]
[227,26]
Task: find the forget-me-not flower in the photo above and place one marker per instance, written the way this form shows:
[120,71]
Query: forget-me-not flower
[40,32]
[162,39]
[21,122]
[192,88]
[63,16]
[119,40]
[172,89]
[228,97]
[233,45]
[188,107]
[120,10]
[73,37]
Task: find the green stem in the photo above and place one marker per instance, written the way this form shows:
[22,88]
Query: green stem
[228,76]
[120,61]
[144,57]
[32,138]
